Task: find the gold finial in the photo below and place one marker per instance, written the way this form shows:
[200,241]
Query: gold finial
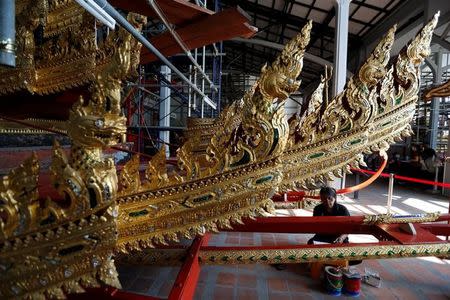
[129,178]
[419,48]
[279,80]
[374,69]
[156,172]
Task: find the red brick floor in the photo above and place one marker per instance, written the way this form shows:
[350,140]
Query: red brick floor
[408,278]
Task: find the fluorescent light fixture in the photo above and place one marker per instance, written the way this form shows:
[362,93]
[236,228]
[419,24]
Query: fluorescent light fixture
[98,12]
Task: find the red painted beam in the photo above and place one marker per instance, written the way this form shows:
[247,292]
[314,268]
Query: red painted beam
[395,232]
[186,282]
[330,225]
[437,228]
[221,26]
[178,12]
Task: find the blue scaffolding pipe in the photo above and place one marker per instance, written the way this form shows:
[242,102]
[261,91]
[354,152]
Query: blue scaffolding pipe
[217,70]
[7,33]
[184,99]
[125,24]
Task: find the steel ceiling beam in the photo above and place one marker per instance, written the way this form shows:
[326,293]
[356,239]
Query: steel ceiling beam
[374,7]
[440,41]
[310,57]
[402,13]
[280,18]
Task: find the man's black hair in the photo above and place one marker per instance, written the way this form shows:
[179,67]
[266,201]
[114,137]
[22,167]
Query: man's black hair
[327,192]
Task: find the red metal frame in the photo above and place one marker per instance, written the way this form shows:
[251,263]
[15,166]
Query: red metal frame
[186,282]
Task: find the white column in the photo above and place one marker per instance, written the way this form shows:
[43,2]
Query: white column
[435,102]
[342,8]
[164,107]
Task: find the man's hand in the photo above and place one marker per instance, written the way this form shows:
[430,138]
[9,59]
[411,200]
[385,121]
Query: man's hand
[339,240]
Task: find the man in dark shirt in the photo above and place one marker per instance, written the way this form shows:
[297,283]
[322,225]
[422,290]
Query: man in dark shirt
[329,207]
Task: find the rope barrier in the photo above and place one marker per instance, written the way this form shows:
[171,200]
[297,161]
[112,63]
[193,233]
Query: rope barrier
[405,178]
[294,196]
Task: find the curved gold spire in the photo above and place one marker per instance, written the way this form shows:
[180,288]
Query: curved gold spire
[374,68]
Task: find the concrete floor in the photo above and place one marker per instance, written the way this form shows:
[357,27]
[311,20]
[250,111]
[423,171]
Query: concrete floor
[410,278]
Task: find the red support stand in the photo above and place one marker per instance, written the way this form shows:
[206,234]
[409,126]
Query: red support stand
[186,282]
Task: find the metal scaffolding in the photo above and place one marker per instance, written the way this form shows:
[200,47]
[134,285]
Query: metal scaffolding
[159,102]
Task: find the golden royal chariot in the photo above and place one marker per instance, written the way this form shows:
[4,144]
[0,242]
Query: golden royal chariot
[59,236]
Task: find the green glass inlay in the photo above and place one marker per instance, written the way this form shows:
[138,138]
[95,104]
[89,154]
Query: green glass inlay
[70,250]
[398,100]
[264,179]
[328,255]
[357,141]
[316,256]
[316,155]
[341,255]
[244,160]
[264,258]
[51,219]
[292,257]
[346,128]
[239,258]
[225,258]
[276,137]
[365,253]
[139,213]
[353,254]
[203,198]
[377,253]
[390,252]
[365,89]
[414,252]
[305,256]
[380,110]
[212,258]
[278,257]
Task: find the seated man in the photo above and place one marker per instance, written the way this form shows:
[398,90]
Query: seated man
[329,207]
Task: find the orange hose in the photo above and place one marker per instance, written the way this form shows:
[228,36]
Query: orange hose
[365,183]
[302,194]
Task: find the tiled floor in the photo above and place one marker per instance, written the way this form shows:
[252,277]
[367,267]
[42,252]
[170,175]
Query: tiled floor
[410,278]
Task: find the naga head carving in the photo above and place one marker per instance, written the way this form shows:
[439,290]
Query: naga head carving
[374,69]
[91,127]
[279,80]
[100,122]
[419,48]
